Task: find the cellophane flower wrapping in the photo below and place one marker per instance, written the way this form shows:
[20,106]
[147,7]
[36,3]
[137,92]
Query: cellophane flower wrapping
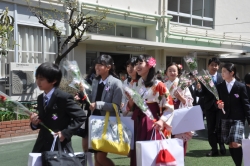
[205,78]
[139,101]
[6,103]
[184,81]
[75,77]
[192,64]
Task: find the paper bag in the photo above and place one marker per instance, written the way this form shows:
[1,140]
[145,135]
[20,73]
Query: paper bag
[187,119]
[246,151]
[147,151]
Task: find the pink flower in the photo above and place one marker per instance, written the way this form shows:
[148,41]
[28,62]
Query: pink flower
[151,62]
[180,66]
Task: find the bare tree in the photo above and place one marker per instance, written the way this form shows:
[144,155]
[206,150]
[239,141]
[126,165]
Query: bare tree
[74,17]
[6,28]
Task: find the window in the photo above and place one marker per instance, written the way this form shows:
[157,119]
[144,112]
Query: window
[90,59]
[122,30]
[36,43]
[192,12]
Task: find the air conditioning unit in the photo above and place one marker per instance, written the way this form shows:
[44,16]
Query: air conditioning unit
[20,80]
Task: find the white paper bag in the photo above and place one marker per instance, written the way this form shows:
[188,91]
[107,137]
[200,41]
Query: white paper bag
[187,119]
[127,121]
[246,151]
[35,159]
[147,151]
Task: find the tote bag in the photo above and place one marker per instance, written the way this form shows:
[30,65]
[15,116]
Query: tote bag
[110,134]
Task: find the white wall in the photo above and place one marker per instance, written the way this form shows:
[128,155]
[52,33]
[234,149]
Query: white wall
[80,57]
[145,6]
[226,12]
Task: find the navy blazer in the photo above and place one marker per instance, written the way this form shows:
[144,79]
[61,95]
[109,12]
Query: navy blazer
[209,98]
[236,103]
[70,118]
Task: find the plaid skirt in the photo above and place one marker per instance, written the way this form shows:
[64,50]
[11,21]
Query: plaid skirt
[231,131]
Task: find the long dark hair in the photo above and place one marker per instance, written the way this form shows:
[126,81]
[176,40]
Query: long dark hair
[231,68]
[106,60]
[174,64]
[151,74]
[132,62]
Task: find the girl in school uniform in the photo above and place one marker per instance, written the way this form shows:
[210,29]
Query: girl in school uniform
[236,105]
[131,82]
[106,91]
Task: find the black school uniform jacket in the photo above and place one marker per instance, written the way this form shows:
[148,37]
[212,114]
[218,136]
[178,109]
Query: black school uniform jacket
[236,103]
[209,98]
[70,118]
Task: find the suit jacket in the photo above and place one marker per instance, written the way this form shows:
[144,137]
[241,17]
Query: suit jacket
[248,92]
[236,103]
[70,118]
[112,93]
[194,95]
[209,98]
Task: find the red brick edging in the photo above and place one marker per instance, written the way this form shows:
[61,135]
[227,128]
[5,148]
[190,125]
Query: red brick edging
[15,128]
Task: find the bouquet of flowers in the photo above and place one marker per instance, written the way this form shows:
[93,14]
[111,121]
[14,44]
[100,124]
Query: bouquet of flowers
[184,81]
[191,61]
[73,70]
[17,108]
[138,100]
[207,81]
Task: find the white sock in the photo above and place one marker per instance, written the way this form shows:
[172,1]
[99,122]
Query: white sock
[89,159]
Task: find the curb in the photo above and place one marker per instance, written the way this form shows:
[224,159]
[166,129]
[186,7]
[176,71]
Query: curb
[4,141]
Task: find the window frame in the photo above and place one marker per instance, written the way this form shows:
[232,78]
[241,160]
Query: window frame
[191,16]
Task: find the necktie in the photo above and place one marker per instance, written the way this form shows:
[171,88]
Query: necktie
[45,101]
[213,77]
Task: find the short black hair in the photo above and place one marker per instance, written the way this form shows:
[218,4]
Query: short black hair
[51,72]
[215,60]
[247,78]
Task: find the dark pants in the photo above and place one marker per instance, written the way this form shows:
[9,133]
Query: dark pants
[212,127]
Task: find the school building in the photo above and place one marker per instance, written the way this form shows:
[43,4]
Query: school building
[165,29]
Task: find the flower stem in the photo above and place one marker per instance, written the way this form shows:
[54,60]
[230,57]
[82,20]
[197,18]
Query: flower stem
[41,123]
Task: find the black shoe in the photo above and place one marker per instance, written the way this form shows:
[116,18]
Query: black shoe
[212,153]
[222,149]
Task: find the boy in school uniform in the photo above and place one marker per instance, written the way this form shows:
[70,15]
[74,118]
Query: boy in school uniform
[237,108]
[56,109]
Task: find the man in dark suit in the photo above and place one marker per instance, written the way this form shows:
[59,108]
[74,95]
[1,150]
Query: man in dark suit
[211,109]
[56,109]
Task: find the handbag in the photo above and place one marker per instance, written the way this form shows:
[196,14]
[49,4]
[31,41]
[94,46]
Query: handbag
[60,158]
[109,134]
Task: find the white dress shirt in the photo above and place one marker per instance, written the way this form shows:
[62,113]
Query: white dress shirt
[230,85]
[103,81]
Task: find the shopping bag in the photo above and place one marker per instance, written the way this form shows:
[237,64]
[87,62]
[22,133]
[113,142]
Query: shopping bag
[34,159]
[246,151]
[150,153]
[187,119]
[111,134]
